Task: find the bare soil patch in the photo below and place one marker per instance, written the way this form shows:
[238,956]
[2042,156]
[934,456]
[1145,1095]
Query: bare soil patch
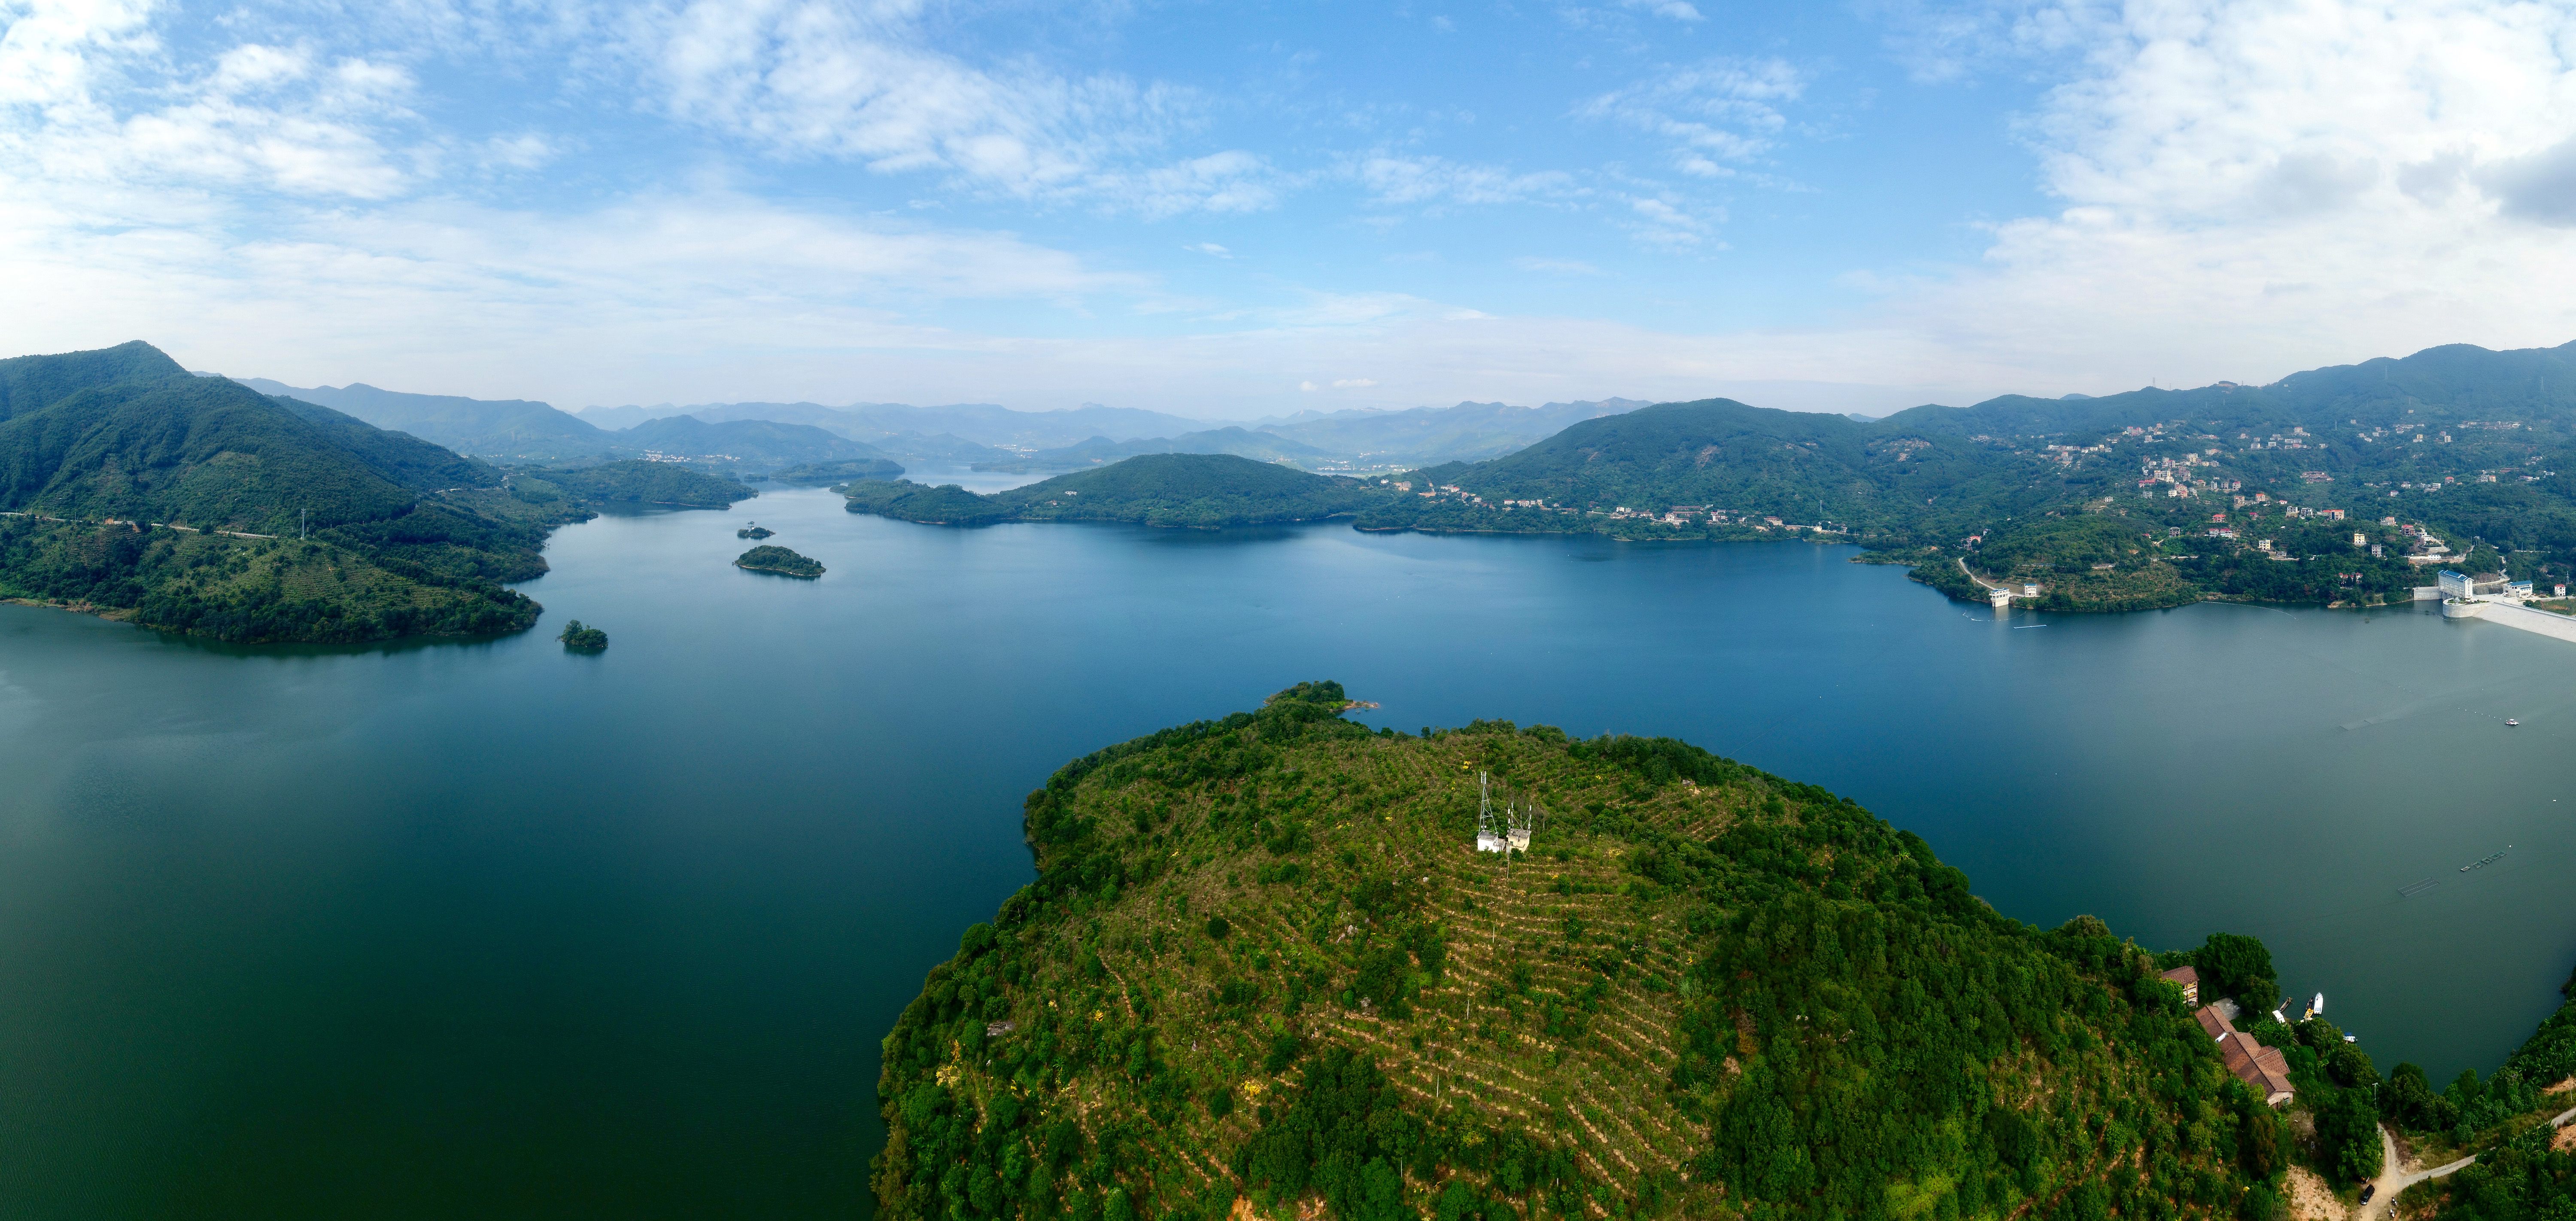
[2311,1199]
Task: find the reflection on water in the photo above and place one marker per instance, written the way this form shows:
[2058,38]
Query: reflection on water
[480,927]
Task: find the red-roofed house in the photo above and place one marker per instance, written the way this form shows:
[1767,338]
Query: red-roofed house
[2190,981]
[2258,1066]
[2213,1023]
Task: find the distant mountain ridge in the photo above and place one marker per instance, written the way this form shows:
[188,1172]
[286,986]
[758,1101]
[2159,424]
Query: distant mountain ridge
[496,428]
[985,424]
[992,437]
[1100,451]
[1424,436]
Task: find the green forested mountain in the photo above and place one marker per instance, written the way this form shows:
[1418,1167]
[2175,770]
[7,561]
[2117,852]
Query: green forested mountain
[743,444]
[197,504]
[2471,444]
[631,481]
[1263,959]
[1202,491]
[127,433]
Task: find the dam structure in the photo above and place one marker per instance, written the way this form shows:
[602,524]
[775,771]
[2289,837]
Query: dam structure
[2498,601]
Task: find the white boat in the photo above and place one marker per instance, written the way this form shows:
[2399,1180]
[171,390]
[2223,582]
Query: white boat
[2511,721]
[2318,1005]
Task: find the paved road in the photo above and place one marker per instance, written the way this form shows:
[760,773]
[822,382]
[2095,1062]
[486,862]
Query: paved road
[2392,1180]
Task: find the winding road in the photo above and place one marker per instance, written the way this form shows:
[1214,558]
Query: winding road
[2393,1179]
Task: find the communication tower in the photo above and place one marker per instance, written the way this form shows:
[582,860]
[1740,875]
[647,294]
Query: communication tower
[1505,827]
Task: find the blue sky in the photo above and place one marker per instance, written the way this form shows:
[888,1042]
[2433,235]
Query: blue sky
[1232,210]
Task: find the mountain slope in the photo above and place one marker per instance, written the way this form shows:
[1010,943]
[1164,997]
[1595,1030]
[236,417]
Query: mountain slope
[139,490]
[1262,959]
[764,443]
[2184,488]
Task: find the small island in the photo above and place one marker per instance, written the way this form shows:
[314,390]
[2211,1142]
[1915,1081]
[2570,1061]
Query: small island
[779,560]
[754,532]
[585,639]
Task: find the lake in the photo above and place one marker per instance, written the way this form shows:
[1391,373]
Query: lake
[435,930]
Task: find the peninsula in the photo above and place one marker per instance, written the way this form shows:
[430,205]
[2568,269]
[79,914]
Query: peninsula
[1267,971]
[1191,491]
[779,560]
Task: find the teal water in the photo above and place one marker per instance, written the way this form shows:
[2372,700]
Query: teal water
[490,930]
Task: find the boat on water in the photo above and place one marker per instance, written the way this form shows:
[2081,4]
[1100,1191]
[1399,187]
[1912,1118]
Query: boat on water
[2511,721]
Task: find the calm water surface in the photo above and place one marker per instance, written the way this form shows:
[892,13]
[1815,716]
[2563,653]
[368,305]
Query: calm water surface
[487,929]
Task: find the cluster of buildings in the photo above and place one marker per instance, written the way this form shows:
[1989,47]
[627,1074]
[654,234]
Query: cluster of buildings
[655,455]
[2261,1068]
[2483,586]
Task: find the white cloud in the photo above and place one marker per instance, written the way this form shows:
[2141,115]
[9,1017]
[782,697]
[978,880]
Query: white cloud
[1717,112]
[1354,383]
[1210,249]
[1678,10]
[1668,223]
[88,100]
[1564,267]
[2253,189]
[1395,180]
[861,81]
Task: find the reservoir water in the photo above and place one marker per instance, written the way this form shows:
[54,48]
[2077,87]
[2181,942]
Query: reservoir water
[487,929]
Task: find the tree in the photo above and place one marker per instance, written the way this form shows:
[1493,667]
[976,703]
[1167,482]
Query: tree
[2348,1145]
[2238,966]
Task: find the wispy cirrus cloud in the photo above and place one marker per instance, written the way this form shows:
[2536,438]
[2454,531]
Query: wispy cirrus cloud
[1409,180]
[1717,113]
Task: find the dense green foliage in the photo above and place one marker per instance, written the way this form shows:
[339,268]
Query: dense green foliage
[577,636]
[198,505]
[1200,491]
[2237,966]
[636,481]
[1262,960]
[771,558]
[2525,1170]
[247,590]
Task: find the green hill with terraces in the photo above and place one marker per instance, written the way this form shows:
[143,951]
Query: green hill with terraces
[1264,972]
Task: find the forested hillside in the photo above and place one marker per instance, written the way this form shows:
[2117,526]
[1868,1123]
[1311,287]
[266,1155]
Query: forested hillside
[632,481]
[2469,444]
[196,504]
[1263,967]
